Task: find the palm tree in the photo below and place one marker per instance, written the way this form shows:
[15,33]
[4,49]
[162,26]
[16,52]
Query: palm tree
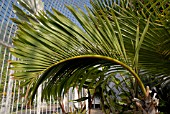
[129,38]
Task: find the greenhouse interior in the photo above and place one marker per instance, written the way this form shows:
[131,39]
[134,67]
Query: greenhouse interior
[84,56]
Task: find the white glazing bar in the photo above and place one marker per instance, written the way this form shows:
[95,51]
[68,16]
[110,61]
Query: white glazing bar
[26,110]
[53,105]
[9,89]
[73,97]
[2,68]
[57,107]
[22,102]
[9,96]
[35,104]
[41,109]
[13,98]
[3,102]
[80,103]
[46,106]
[50,105]
[67,102]
[82,95]
[94,105]
[87,104]
[39,99]
[76,96]
[30,109]
[18,97]
[70,99]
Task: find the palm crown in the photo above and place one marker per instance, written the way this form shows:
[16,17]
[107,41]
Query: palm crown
[127,36]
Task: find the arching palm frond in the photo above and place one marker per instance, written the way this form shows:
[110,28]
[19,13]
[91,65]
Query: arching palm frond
[56,39]
[41,46]
[55,51]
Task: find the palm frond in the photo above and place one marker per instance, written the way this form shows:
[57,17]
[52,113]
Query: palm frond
[56,51]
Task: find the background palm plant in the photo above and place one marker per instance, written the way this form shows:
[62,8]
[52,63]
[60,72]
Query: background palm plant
[118,36]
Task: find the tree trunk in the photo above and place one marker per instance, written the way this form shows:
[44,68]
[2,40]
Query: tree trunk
[149,104]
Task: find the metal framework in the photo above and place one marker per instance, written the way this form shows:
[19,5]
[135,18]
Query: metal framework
[11,94]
